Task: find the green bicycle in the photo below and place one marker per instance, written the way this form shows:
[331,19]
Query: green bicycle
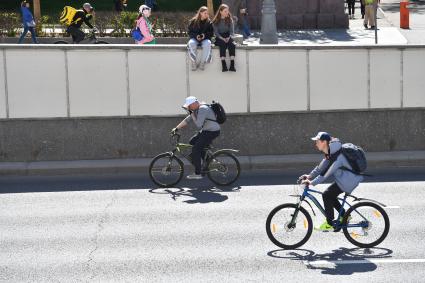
[365,224]
[221,166]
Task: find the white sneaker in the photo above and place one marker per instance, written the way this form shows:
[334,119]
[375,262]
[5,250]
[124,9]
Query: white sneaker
[194,66]
[194,177]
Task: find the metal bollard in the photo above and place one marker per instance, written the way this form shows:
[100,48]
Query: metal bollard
[404,15]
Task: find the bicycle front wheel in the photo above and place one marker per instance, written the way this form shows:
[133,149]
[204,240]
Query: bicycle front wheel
[366,224]
[166,170]
[285,234]
[223,168]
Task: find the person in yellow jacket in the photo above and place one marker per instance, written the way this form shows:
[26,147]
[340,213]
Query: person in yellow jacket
[371,7]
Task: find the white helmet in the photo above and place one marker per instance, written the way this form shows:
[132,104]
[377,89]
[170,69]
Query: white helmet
[143,7]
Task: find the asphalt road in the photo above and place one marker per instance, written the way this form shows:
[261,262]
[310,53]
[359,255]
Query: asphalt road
[121,228]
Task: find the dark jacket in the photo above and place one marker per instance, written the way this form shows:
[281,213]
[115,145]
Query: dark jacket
[80,17]
[205,27]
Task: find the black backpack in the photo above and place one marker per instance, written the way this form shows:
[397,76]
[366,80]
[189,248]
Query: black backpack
[355,156]
[219,112]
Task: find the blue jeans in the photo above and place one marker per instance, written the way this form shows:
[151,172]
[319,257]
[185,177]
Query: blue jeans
[24,33]
[246,32]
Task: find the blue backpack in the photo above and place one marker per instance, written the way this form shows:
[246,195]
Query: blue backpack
[136,34]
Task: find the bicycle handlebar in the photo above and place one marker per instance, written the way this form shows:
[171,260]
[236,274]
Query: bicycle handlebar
[172,136]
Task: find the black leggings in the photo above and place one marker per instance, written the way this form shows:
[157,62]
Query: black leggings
[223,46]
[351,4]
[330,200]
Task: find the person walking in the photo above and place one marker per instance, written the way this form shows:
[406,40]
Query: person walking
[370,14]
[145,26]
[350,4]
[28,22]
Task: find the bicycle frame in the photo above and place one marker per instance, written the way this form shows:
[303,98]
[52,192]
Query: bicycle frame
[181,147]
[307,194]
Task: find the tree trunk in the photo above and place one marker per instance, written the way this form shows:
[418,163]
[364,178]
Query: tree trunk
[37,10]
[210,6]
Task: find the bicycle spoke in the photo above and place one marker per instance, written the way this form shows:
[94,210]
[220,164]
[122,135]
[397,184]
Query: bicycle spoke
[368,225]
[286,231]
[166,170]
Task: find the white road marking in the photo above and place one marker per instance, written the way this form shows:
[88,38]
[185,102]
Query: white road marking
[363,261]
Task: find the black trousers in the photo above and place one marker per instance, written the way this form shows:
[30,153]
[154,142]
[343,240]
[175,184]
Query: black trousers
[351,4]
[224,46]
[200,141]
[330,200]
[76,34]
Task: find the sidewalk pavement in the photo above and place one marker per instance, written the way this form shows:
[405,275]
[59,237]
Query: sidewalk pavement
[389,32]
[284,162]
[416,33]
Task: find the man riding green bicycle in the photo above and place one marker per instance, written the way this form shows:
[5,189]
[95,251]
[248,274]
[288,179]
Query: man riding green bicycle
[205,120]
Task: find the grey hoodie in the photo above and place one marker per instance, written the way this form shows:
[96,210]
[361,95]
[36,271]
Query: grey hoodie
[346,180]
[205,119]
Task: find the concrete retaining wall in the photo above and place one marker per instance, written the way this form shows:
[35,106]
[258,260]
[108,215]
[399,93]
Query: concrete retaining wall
[101,102]
[93,81]
[253,134]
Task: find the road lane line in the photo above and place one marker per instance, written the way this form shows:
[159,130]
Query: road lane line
[363,261]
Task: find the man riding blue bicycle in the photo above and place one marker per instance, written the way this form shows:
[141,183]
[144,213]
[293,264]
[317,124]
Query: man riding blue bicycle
[333,164]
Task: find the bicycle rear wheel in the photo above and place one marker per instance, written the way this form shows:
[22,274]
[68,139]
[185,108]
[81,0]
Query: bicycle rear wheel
[101,42]
[366,224]
[223,168]
[166,170]
[284,234]
[61,42]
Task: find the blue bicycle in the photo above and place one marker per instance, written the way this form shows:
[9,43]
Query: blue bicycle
[365,224]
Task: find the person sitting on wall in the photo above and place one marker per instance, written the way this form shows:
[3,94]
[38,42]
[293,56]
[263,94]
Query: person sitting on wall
[224,31]
[200,32]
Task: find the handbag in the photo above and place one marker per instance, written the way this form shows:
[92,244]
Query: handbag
[31,24]
[136,34]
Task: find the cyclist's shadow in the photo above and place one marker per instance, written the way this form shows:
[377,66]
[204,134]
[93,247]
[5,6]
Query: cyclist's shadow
[327,260]
[198,195]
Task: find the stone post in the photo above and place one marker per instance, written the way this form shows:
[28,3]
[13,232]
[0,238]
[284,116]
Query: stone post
[268,23]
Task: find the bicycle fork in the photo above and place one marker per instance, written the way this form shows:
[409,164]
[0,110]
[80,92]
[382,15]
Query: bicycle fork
[295,215]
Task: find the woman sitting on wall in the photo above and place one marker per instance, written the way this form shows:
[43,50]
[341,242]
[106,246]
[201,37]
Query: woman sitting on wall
[224,30]
[200,33]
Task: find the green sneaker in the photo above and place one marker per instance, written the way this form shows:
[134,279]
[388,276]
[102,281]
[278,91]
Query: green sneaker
[325,227]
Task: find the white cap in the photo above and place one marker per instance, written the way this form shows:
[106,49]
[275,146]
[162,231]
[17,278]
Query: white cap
[323,136]
[87,5]
[143,7]
[189,101]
